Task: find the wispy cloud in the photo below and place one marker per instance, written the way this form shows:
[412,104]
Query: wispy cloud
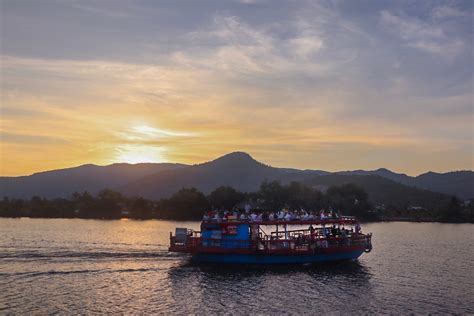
[422,35]
[445,11]
[13,138]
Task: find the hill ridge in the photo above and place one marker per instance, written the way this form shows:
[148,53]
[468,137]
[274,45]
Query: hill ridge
[238,169]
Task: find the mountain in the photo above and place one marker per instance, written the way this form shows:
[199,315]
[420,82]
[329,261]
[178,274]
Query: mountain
[382,190]
[459,183]
[382,172]
[238,170]
[92,178]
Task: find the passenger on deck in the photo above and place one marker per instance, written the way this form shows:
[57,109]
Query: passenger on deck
[247,208]
[357,228]
[271,216]
[327,232]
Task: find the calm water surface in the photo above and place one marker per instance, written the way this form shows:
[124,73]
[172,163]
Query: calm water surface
[87,266]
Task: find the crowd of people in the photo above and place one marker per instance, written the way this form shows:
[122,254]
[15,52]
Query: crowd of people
[259,216]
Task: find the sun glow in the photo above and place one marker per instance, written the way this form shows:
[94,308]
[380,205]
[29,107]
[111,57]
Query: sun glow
[146,131]
[139,154]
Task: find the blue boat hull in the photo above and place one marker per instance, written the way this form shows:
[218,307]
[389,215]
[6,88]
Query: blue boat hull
[273,259]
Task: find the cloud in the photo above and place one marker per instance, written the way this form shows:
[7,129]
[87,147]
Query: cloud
[422,35]
[14,138]
[306,46]
[6,111]
[238,48]
[444,11]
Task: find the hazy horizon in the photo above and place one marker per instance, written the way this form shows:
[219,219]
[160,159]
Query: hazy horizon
[326,85]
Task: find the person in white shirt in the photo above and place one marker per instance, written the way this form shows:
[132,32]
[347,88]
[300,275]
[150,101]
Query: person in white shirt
[247,208]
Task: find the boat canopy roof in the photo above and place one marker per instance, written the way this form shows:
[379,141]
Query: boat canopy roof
[343,220]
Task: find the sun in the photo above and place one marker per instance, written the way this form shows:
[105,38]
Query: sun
[139,154]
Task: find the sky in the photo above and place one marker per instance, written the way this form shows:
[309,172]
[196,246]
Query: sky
[330,85]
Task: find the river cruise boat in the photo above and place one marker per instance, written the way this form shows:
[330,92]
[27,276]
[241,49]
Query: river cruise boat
[301,241]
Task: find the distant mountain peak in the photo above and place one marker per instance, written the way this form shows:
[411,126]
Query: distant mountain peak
[236,156]
[389,172]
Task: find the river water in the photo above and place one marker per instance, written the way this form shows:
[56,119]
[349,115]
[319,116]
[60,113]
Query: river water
[92,266]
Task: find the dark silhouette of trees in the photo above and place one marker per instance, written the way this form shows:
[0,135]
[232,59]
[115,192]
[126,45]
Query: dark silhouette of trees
[110,203]
[299,196]
[187,203]
[140,208]
[190,204]
[349,199]
[452,211]
[225,197]
[273,195]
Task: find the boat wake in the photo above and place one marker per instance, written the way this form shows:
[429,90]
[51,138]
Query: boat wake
[85,271]
[163,254]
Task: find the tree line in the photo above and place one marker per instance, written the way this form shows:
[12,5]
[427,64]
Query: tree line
[190,204]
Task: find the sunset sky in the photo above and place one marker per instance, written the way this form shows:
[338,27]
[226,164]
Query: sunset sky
[331,85]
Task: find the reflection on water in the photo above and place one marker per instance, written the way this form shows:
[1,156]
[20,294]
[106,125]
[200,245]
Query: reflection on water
[256,289]
[88,266]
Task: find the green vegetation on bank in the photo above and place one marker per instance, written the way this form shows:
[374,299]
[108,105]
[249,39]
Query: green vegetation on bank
[190,204]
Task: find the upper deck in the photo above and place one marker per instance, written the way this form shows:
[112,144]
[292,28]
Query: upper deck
[342,220]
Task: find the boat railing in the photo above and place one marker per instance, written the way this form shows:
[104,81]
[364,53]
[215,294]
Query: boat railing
[325,242]
[291,243]
[295,221]
[228,243]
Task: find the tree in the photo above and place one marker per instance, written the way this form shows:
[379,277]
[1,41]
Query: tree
[139,207]
[303,197]
[452,211]
[273,194]
[109,203]
[349,199]
[186,204]
[225,197]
